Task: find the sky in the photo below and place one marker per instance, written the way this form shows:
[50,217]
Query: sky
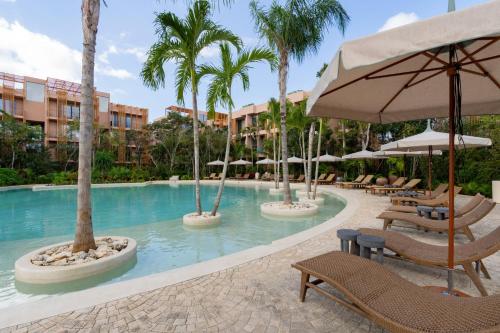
[43,38]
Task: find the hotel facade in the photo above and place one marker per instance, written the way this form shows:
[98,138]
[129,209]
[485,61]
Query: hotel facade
[54,104]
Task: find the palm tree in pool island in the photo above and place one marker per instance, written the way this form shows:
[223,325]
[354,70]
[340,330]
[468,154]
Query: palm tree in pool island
[295,29]
[219,91]
[181,40]
[84,236]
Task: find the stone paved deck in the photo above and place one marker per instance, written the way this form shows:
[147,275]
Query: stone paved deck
[259,296]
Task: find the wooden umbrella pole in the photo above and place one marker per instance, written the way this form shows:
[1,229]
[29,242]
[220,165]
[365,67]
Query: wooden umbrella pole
[451,171]
[430,171]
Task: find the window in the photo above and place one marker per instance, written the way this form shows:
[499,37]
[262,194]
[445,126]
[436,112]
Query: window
[72,111]
[128,121]
[8,106]
[35,92]
[114,120]
[239,124]
[103,104]
[202,117]
[254,120]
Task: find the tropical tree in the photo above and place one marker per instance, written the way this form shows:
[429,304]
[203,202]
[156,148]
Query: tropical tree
[220,91]
[181,40]
[272,117]
[84,237]
[299,121]
[295,29]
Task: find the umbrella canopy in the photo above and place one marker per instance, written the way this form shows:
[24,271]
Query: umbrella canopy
[403,72]
[396,153]
[436,140]
[327,158]
[293,159]
[241,162]
[446,66]
[266,161]
[362,155]
[216,162]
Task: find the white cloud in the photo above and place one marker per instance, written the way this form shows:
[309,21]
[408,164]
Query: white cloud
[118,91]
[123,34]
[209,52]
[399,20]
[250,41]
[137,52]
[11,1]
[25,52]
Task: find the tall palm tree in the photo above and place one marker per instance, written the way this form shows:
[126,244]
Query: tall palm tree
[299,121]
[182,40]
[272,116]
[220,91]
[295,29]
[84,236]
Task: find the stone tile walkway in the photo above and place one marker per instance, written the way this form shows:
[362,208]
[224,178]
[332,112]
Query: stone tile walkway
[259,296]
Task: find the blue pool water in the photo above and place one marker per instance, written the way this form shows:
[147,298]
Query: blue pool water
[152,215]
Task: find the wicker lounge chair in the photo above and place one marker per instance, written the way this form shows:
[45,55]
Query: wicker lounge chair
[471,204]
[408,186]
[328,180]
[392,302]
[246,176]
[322,176]
[440,200]
[357,180]
[462,223]
[365,182]
[212,175]
[397,183]
[300,179]
[218,177]
[434,255]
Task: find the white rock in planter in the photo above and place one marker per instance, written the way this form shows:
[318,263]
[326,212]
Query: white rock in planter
[204,220]
[30,269]
[317,201]
[296,209]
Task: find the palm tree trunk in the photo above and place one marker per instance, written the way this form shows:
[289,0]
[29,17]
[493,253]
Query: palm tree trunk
[304,160]
[309,157]
[84,237]
[283,73]
[226,162]
[276,176]
[196,139]
[318,154]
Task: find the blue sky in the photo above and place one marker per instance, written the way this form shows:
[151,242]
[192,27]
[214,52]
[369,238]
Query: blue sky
[43,38]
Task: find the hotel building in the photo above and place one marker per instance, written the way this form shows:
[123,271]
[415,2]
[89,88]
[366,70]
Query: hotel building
[54,104]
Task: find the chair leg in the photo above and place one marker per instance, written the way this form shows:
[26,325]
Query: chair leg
[483,269]
[466,230]
[469,270]
[303,288]
[387,224]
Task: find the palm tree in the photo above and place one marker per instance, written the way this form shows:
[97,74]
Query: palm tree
[220,91]
[299,121]
[272,116]
[84,236]
[182,40]
[295,30]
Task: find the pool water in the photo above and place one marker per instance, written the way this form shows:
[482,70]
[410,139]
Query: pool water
[152,215]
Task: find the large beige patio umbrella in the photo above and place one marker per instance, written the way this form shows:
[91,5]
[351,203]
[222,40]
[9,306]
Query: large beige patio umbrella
[446,66]
[431,140]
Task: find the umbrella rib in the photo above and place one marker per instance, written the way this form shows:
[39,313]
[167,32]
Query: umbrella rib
[406,85]
[426,78]
[478,65]
[469,55]
[374,72]
[480,60]
[405,73]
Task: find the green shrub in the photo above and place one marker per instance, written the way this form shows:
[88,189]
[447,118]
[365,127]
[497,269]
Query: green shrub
[104,160]
[9,177]
[471,188]
[185,177]
[64,178]
[121,174]
[139,175]
[44,179]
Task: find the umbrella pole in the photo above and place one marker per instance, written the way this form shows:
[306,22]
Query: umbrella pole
[451,172]
[430,171]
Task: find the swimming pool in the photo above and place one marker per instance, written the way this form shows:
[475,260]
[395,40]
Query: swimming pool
[152,215]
